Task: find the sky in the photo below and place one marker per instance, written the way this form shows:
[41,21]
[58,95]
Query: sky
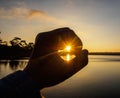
[96,22]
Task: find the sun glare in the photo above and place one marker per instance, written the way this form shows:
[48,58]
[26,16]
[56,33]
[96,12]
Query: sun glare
[68,48]
[68,57]
[65,54]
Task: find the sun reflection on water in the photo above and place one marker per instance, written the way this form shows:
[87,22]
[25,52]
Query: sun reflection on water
[66,54]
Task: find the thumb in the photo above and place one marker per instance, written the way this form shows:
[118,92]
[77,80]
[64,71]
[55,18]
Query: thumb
[80,61]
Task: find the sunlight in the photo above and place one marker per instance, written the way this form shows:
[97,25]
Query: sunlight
[66,54]
[68,57]
[68,48]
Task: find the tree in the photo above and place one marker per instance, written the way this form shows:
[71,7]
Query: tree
[23,44]
[0,38]
[4,43]
[15,41]
[30,45]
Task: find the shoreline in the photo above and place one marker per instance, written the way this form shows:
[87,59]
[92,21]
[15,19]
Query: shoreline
[91,53]
[104,53]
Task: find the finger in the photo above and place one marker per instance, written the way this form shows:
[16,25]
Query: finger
[60,31]
[80,61]
[58,37]
[67,36]
[47,42]
[55,40]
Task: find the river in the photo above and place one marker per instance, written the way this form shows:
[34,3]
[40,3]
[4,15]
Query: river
[99,79]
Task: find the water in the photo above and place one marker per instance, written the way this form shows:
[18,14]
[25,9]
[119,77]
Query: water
[10,66]
[99,79]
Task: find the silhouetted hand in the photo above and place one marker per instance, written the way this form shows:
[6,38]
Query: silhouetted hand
[46,66]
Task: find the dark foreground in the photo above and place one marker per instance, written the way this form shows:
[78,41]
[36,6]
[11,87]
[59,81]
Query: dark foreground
[99,79]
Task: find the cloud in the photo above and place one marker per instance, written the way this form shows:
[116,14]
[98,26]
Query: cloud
[29,14]
[38,14]
[13,13]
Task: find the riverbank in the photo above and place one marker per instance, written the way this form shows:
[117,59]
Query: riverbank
[104,53]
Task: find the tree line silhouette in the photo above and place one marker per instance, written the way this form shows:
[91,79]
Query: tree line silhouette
[18,48]
[15,48]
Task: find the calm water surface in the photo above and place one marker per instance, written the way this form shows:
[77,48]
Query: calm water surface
[99,79]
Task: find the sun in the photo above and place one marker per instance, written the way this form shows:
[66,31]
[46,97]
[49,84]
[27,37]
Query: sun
[68,48]
[66,54]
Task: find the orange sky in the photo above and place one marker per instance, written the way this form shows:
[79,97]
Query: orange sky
[96,22]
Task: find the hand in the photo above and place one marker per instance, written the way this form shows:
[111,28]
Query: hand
[46,66]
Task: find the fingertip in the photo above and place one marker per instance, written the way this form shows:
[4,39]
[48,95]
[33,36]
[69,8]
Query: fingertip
[64,28]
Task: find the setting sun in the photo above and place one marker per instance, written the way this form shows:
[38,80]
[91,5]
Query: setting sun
[68,48]
[66,54]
